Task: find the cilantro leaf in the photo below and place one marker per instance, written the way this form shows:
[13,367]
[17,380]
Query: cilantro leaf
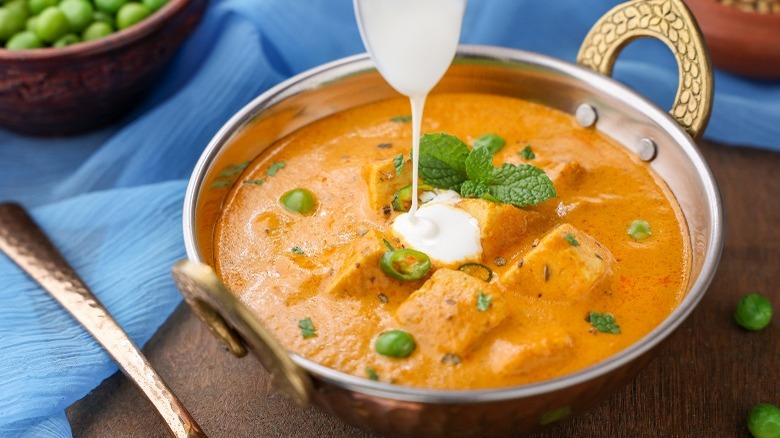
[483,301]
[275,167]
[307,328]
[443,161]
[401,119]
[372,375]
[398,162]
[297,250]
[603,322]
[521,185]
[479,165]
[572,240]
[492,142]
[527,153]
[257,182]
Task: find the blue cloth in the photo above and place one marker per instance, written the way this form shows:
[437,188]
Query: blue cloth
[111,200]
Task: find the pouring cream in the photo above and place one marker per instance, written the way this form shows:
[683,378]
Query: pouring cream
[412,43]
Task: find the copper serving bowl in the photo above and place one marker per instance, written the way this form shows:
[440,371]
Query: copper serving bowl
[665,141]
[59,91]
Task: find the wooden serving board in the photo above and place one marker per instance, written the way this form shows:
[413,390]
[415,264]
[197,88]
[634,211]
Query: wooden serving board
[704,381]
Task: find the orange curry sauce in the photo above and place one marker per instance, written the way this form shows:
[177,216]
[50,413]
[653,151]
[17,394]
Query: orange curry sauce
[538,338]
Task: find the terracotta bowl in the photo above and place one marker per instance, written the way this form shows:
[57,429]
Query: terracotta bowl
[60,91]
[740,41]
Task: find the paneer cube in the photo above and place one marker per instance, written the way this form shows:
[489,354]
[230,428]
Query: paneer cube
[533,350]
[383,182]
[360,274]
[502,226]
[566,175]
[566,265]
[446,315]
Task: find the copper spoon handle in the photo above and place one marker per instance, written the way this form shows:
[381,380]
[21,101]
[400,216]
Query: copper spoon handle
[26,244]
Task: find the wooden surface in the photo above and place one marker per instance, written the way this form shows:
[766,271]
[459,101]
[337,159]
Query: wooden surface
[705,379]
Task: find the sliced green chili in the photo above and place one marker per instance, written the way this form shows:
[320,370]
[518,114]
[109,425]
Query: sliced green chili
[402,200]
[405,264]
[477,270]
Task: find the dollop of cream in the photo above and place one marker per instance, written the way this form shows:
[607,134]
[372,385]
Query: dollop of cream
[441,230]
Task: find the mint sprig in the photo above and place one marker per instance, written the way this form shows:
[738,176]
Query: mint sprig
[447,163]
[443,161]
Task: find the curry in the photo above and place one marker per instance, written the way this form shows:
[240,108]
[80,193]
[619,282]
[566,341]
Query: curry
[556,286]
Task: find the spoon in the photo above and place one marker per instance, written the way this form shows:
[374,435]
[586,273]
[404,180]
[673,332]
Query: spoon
[26,245]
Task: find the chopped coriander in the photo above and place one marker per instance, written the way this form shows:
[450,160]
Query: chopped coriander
[527,153]
[398,162]
[483,301]
[572,240]
[232,170]
[451,358]
[221,184]
[401,119]
[493,143]
[297,250]
[275,167]
[307,328]
[256,182]
[372,375]
[447,163]
[603,322]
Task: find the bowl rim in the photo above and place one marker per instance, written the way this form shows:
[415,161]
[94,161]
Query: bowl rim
[605,85]
[117,39]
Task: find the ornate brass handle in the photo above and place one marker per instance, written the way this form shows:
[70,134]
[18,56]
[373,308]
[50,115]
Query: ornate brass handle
[673,23]
[236,326]
[28,247]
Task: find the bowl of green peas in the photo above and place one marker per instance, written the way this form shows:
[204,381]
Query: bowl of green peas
[70,66]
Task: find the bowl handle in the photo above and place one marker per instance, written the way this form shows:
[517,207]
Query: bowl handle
[673,23]
[235,325]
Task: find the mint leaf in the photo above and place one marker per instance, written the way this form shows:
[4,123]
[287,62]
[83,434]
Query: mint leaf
[471,189]
[479,165]
[398,162]
[527,153]
[443,161]
[492,142]
[275,167]
[307,328]
[521,185]
[603,322]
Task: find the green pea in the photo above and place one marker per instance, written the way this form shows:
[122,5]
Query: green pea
[96,31]
[395,343]
[155,4]
[493,143]
[51,24]
[67,40]
[37,6]
[102,17]
[639,230]
[109,6]
[299,201]
[753,312]
[764,421]
[131,14]
[79,14]
[12,20]
[405,264]
[24,40]
[31,24]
